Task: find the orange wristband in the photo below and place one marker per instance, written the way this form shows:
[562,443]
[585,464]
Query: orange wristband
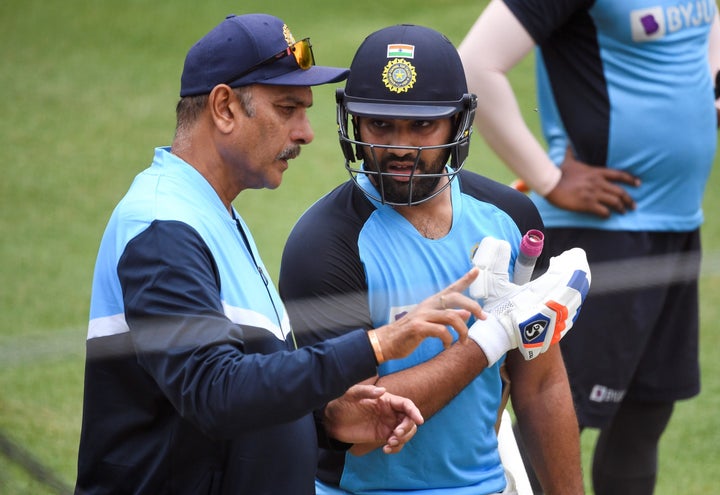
[375,343]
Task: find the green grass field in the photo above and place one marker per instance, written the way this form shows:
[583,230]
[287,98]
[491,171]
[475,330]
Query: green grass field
[89,88]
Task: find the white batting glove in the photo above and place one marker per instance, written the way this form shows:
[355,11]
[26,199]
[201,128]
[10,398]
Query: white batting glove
[528,317]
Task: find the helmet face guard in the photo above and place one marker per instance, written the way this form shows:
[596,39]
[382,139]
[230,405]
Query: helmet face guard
[348,108]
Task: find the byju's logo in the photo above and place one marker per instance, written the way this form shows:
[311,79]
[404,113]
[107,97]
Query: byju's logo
[653,23]
[647,24]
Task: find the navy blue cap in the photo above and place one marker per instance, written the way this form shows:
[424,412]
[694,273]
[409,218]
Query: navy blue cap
[241,42]
[406,71]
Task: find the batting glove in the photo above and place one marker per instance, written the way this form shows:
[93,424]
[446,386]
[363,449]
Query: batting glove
[528,317]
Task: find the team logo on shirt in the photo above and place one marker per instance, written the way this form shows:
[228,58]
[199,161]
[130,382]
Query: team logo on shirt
[647,24]
[399,75]
[655,22]
[397,312]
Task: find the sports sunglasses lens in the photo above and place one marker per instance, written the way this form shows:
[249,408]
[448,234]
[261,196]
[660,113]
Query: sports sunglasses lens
[302,50]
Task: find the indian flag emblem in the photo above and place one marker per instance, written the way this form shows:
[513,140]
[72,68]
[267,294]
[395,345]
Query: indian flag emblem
[400,50]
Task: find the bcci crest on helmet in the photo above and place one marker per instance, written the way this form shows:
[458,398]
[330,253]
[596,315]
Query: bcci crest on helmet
[399,75]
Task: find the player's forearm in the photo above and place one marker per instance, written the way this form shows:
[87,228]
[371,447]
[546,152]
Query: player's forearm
[492,47]
[714,61]
[714,47]
[501,124]
[553,444]
[431,385]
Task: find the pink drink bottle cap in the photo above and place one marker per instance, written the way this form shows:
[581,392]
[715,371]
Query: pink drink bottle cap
[532,243]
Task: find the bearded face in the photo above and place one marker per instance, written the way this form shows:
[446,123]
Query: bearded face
[407,156]
[406,178]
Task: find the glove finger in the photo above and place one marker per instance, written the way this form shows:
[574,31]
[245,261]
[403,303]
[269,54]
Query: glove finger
[570,261]
[566,302]
[492,257]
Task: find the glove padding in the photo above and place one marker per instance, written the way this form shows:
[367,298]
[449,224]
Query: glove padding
[528,317]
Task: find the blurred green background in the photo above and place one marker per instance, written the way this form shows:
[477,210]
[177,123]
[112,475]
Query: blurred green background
[89,89]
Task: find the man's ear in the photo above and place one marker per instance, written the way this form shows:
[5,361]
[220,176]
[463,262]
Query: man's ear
[223,105]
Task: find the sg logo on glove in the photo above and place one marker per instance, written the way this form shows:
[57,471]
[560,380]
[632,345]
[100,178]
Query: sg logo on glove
[533,329]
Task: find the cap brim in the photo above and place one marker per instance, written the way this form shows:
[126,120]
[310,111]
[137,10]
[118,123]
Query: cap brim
[314,76]
[416,111]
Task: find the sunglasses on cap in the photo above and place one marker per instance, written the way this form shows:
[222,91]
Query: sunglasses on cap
[301,50]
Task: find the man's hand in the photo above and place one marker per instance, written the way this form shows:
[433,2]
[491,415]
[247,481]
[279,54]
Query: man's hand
[430,318]
[369,417]
[587,189]
[529,317]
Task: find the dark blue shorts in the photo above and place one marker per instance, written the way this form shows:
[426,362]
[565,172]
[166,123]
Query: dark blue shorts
[637,334]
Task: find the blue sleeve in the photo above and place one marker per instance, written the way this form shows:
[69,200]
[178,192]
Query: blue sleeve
[223,377]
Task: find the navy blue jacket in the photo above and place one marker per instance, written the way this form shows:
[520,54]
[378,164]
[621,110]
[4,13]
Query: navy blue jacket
[192,383]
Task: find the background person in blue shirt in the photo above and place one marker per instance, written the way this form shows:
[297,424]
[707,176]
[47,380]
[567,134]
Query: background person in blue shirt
[625,98]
